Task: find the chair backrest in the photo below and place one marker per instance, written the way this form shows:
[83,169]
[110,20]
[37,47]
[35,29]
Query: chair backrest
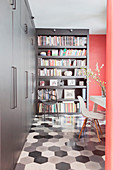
[82,105]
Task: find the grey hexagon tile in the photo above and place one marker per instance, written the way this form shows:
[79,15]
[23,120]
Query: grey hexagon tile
[68,159]
[54,159]
[93,165]
[32,166]
[53,133]
[74,153]
[96,158]
[78,165]
[48,166]
[26,160]
[103,157]
[86,153]
[48,154]
[90,133]
[66,148]
[61,153]
[63,166]
[20,166]
[54,148]
[100,147]
[94,139]
[80,143]
[48,144]
[30,148]
[53,140]
[41,148]
[59,144]
[63,140]
[23,154]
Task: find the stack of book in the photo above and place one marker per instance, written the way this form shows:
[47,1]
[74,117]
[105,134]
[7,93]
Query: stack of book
[79,63]
[50,72]
[62,40]
[71,52]
[79,72]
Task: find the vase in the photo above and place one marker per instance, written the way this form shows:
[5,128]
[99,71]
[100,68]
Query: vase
[103,91]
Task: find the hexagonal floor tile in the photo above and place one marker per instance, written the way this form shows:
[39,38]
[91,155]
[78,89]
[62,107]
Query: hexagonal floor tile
[96,158]
[54,148]
[68,159]
[20,166]
[48,154]
[41,148]
[77,148]
[63,166]
[61,153]
[98,152]
[93,165]
[82,159]
[86,153]
[41,159]
[26,160]
[48,166]
[78,165]
[34,154]
[73,153]
[54,159]
[48,144]
[32,166]
[66,148]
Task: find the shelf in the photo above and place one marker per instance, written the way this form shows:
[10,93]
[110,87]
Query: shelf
[61,100]
[61,87]
[69,113]
[56,47]
[60,77]
[62,57]
[63,67]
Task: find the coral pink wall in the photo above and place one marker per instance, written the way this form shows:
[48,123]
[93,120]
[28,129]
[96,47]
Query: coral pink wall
[97,53]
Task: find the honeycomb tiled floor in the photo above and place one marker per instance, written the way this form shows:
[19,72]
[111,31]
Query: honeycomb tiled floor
[53,144]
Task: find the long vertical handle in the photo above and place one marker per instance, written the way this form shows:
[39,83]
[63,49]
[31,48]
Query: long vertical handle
[14,5]
[32,82]
[15,85]
[26,93]
[12,103]
[11,2]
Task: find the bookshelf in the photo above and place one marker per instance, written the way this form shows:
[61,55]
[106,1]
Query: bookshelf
[60,54]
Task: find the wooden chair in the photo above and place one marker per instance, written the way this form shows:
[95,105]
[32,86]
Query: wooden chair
[90,115]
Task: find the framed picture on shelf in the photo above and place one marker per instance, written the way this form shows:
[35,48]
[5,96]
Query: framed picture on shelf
[42,83]
[53,82]
[71,82]
[69,93]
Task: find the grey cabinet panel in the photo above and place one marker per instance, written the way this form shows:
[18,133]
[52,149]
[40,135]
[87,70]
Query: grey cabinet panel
[16,52]
[5,75]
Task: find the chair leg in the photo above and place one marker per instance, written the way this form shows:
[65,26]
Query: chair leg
[83,126]
[57,110]
[44,112]
[99,126]
[97,130]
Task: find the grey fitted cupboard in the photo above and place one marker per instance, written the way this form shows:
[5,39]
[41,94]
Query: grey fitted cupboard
[17,77]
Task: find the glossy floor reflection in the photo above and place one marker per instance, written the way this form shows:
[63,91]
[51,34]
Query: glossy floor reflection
[53,144]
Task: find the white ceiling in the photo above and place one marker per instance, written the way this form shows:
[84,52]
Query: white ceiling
[89,14]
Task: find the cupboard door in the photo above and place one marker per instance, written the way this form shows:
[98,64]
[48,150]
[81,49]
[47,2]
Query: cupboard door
[6,125]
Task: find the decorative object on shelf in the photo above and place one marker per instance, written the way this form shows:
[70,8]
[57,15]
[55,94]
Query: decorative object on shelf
[54,52]
[68,73]
[69,94]
[71,82]
[42,83]
[53,82]
[81,83]
[60,91]
[43,53]
[48,53]
[96,76]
